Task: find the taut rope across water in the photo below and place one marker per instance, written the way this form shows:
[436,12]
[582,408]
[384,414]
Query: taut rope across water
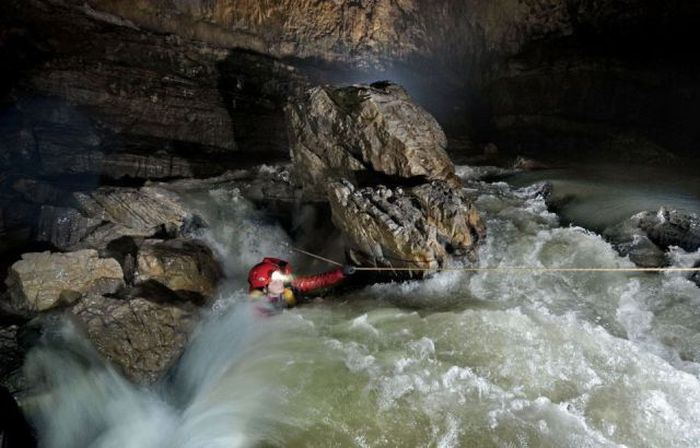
[503,268]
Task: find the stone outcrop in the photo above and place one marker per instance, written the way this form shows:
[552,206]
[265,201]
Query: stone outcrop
[422,227]
[629,240]
[40,281]
[64,227]
[180,265]
[261,184]
[670,228]
[376,129]
[146,210]
[91,220]
[646,236]
[89,95]
[140,336]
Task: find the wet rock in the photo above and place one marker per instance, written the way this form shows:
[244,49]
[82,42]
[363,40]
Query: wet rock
[140,336]
[263,183]
[64,227]
[457,222]
[96,218]
[631,241]
[340,132]
[647,236]
[424,227]
[145,211]
[670,228]
[695,276]
[180,265]
[40,281]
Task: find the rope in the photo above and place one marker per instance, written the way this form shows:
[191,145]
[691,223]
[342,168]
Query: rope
[327,260]
[530,269]
[501,269]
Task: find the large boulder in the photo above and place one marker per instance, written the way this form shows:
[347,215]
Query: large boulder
[91,220]
[181,265]
[44,280]
[423,227]
[345,132]
[141,336]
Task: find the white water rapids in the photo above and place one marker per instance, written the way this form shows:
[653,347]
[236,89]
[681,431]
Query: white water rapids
[493,359]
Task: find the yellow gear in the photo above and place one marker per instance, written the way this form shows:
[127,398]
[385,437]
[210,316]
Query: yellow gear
[288,296]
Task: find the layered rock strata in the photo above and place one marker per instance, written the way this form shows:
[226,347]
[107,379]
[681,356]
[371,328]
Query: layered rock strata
[372,130]
[423,227]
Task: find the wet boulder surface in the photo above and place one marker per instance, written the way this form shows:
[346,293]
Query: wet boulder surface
[141,336]
[352,131]
[647,236]
[380,161]
[180,265]
[124,264]
[422,227]
[41,281]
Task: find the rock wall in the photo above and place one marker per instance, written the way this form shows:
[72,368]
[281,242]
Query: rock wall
[91,95]
[151,89]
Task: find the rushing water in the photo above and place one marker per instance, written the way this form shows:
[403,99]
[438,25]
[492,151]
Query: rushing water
[485,360]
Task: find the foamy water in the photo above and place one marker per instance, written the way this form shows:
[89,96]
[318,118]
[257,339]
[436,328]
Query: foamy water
[490,360]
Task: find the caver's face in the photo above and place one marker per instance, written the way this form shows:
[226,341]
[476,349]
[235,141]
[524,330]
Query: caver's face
[275,287]
[277,282]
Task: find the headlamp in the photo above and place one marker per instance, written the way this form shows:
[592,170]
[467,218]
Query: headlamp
[277,276]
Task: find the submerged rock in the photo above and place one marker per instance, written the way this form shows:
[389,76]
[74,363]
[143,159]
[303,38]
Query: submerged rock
[422,227]
[140,336]
[646,236]
[343,132]
[631,241]
[40,281]
[180,265]
[670,228]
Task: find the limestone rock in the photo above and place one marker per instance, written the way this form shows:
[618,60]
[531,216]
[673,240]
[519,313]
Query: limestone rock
[423,227]
[91,220]
[447,210]
[263,183]
[144,210]
[43,280]
[140,336]
[181,265]
[338,132]
[64,227]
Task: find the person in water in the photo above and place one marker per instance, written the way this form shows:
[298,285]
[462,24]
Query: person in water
[273,287]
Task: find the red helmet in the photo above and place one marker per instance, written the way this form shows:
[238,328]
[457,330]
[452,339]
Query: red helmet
[261,274]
